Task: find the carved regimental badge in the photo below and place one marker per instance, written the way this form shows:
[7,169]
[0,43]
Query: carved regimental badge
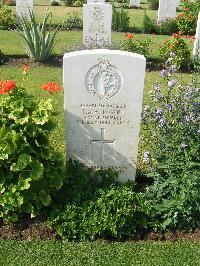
[104,80]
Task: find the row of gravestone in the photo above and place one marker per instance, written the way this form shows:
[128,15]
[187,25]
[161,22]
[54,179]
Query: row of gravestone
[97,20]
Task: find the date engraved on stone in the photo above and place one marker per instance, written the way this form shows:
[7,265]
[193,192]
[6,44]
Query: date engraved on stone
[104,80]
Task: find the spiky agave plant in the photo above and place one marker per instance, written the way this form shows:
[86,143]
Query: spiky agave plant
[38,39]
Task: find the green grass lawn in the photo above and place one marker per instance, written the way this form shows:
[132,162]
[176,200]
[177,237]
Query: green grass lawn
[99,253]
[69,40]
[61,13]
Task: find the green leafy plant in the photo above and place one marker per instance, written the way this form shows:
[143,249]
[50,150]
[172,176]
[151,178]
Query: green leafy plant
[97,206]
[74,22]
[187,20]
[39,40]
[135,45]
[153,4]
[149,24]
[55,3]
[69,2]
[172,128]
[7,19]
[178,46]
[120,19]
[167,26]
[30,170]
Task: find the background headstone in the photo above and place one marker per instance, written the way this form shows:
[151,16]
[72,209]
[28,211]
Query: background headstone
[103,102]
[196,50]
[97,21]
[134,3]
[22,8]
[167,9]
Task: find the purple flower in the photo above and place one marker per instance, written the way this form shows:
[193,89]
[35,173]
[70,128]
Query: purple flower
[162,122]
[169,106]
[159,111]
[187,118]
[146,108]
[171,83]
[164,73]
[146,157]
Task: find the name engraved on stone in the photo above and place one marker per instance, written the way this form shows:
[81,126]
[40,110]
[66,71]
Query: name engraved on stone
[102,142]
[103,80]
[103,114]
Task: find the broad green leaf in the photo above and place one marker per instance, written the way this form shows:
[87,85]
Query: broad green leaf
[45,198]
[37,170]
[28,208]
[24,183]
[22,162]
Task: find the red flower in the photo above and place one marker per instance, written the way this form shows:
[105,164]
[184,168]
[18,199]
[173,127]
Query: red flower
[6,86]
[190,37]
[51,87]
[186,9]
[25,69]
[129,36]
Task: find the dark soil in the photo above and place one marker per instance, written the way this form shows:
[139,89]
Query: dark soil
[28,229]
[37,229]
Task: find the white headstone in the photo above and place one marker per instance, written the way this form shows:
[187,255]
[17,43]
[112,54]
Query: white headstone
[135,3]
[196,50]
[23,7]
[167,9]
[103,102]
[97,21]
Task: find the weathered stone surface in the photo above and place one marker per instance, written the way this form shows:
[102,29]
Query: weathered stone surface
[103,101]
[135,3]
[97,20]
[196,50]
[23,7]
[167,9]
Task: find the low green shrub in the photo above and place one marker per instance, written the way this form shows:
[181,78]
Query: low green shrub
[7,19]
[187,20]
[30,169]
[120,19]
[167,26]
[136,45]
[171,121]
[177,50]
[69,2]
[153,4]
[164,27]
[55,3]
[96,206]
[149,24]
[74,22]
[38,39]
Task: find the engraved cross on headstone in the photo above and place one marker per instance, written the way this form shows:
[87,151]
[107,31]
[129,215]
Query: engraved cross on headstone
[102,141]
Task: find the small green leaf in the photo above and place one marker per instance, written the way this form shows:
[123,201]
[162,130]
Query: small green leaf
[37,170]
[24,183]
[23,161]
[45,198]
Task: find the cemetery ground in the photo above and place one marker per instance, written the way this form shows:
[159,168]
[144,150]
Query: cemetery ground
[44,246]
